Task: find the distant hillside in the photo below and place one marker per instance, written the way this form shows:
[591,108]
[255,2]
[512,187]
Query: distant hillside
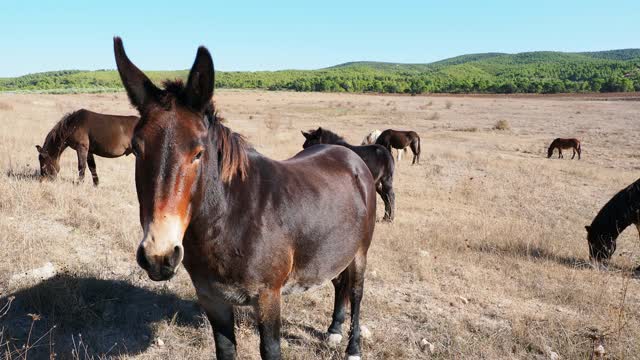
[530,72]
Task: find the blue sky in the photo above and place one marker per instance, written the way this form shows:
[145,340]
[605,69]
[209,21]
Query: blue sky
[271,35]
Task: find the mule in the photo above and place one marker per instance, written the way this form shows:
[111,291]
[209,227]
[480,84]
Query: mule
[561,144]
[247,229]
[378,160]
[622,210]
[401,140]
[371,138]
[88,133]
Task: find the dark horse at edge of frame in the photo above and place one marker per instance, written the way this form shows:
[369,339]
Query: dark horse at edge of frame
[622,210]
[400,140]
[378,159]
[247,228]
[561,143]
[88,133]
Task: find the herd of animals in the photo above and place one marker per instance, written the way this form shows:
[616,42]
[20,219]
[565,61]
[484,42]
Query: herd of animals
[247,228]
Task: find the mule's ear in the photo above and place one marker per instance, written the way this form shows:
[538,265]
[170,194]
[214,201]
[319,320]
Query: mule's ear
[39,148]
[588,228]
[139,88]
[201,78]
[305,134]
[319,131]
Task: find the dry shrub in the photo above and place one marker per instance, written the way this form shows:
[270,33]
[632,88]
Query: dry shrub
[502,125]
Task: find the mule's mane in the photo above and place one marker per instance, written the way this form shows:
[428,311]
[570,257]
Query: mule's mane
[329,136]
[232,149]
[60,131]
[619,212]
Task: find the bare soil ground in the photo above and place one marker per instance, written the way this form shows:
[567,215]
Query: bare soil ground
[487,257]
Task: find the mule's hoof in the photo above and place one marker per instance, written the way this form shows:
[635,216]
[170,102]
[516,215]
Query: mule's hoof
[334,339]
[353,357]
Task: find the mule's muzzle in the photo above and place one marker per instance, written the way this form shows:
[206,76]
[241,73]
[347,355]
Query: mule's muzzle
[160,268]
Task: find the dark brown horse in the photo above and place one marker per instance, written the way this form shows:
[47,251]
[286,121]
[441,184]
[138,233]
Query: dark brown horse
[87,133]
[561,143]
[246,228]
[400,140]
[378,160]
[616,215]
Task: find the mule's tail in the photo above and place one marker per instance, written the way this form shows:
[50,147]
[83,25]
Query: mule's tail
[579,150]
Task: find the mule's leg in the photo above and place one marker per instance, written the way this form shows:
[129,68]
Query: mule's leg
[341,287]
[357,286]
[92,167]
[220,315]
[574,153]
[268,310]
[82,161]
[399,154]
[560,153]
[389,198]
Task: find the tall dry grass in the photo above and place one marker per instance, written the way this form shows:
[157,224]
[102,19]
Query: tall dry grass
[487,257]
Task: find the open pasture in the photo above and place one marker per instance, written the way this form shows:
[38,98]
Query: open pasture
[487,256]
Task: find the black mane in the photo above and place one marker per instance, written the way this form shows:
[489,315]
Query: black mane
[616,215]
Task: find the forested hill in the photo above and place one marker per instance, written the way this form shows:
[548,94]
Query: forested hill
[531,72]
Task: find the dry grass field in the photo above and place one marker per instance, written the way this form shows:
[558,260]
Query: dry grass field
[487,257]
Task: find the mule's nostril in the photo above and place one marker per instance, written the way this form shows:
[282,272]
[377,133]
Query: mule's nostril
[141,258]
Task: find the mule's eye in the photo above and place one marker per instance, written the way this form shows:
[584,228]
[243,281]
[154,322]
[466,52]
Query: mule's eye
[198,156]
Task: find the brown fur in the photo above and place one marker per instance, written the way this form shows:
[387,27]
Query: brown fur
[561,143]
[90,134]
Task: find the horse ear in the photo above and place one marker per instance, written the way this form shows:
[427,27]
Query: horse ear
[39,148]
[305,134]
[139,88]
[199,88]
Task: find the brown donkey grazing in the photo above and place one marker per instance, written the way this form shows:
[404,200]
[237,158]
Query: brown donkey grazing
[400,140]
[247,228]
[378,160]
[561,143]
[88,133]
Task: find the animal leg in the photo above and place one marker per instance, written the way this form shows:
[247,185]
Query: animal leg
[82,152]
[574,153]
[268,313]
[220,315]
[560,154]
[399,154]
[341,287]
[359,265]
[91,161]
[388,197]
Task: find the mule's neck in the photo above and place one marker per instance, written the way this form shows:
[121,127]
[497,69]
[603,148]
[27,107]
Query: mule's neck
[54,145]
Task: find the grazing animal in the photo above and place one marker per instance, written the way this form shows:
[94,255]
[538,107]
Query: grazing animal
[561,143]
[616,215]
[378,160]
[400,140]
[247,228]
[371,138]
[88,133]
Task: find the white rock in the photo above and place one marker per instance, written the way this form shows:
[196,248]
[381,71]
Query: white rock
[365,333]
[159,342]
[48,270]
[334,340]
[427,346]
[463,299]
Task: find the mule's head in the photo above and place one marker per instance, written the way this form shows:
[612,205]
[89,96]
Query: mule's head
[601,244]
[171,143]
[312,137]
[49,166]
